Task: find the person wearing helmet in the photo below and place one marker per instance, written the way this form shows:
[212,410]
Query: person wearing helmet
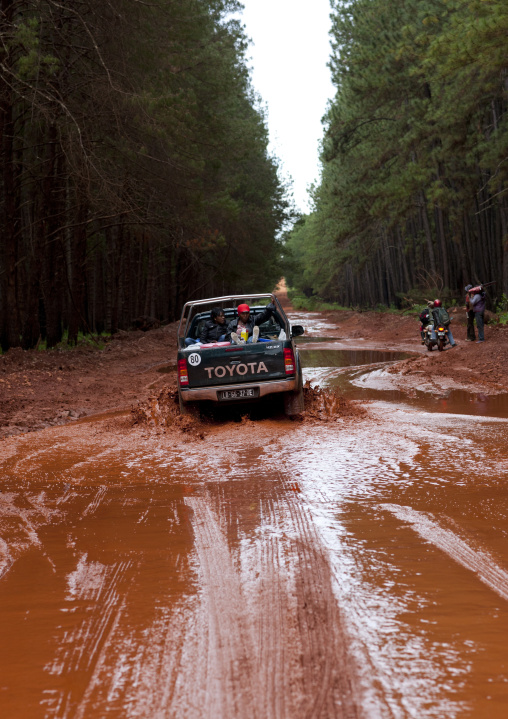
[441,318]
[470,333]
[246,325]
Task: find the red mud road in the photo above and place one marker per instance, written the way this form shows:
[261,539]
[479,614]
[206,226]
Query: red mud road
[352,564]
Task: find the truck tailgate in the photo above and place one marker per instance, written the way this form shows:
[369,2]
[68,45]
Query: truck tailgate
[236,364]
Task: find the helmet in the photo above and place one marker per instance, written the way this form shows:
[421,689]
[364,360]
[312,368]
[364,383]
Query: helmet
[437,303]
[468,287]
[243,308]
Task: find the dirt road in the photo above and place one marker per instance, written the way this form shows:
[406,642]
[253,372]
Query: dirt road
[354,567]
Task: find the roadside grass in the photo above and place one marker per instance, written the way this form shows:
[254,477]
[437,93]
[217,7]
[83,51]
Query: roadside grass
[95,341]
[414,306]
[312,304]
[502,310]
[316,304]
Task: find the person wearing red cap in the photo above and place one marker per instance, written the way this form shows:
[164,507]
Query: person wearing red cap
[248,324]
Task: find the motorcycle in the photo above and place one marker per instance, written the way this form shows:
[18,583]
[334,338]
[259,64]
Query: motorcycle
[442,337]
[440,340]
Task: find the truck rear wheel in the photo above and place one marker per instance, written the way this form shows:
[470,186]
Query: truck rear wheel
[293,401]
[189,409]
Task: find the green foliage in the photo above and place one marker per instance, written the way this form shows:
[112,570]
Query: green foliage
[414,187]
[93,341]
[502,310]
[31,63]
[313,304]
[135,164]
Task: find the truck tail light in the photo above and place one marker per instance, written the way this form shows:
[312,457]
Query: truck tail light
[183,375]
[289,361]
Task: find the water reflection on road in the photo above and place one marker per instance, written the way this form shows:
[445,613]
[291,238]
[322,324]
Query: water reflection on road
[273,569]
[414,512]
[362,374]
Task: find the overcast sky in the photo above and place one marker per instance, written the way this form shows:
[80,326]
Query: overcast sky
[289,51]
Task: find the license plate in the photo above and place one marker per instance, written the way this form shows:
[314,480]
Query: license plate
[247,393]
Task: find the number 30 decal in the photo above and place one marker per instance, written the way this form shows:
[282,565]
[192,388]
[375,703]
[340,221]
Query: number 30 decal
[194,359]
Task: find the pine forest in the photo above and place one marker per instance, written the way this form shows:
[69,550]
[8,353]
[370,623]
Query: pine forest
[135,170]
[413,198]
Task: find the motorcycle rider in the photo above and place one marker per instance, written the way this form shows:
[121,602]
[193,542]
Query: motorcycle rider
[441,319]
[425,320]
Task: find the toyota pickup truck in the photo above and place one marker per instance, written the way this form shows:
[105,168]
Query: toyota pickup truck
[228,373]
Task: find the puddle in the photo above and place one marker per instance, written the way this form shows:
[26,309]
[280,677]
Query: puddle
[167,368]
[457,401]
[346,358]
[324,367]
[316,340]
[134,561]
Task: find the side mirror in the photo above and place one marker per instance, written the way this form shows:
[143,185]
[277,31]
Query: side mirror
[297,330]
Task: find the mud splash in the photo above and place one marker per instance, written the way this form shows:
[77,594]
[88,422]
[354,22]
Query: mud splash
[161,411]
[326,405]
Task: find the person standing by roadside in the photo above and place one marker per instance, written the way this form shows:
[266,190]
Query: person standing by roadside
[478,302]
[470,333]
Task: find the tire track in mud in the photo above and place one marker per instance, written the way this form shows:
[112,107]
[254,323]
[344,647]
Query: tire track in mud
[387,684]
[94,589]
[330,682]
[477,561]
[94,504]
[19,525]
[272,630]
[6,559]
[229,670]
[59,455]
[276,638]
[147,673]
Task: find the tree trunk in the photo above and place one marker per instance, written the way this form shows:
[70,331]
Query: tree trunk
[77,274]
[10,220]
[428,235]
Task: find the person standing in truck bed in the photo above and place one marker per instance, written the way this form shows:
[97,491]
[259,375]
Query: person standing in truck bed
[248,324]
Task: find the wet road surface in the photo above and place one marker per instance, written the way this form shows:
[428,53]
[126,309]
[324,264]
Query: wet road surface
[273,569]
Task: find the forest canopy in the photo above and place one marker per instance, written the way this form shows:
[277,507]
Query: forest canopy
[135,171]
[414,190]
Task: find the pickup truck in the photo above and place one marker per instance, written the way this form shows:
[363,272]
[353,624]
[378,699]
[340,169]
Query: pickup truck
[228,373]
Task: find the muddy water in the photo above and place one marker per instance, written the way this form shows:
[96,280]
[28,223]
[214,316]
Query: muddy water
[362,375]
[273,569]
